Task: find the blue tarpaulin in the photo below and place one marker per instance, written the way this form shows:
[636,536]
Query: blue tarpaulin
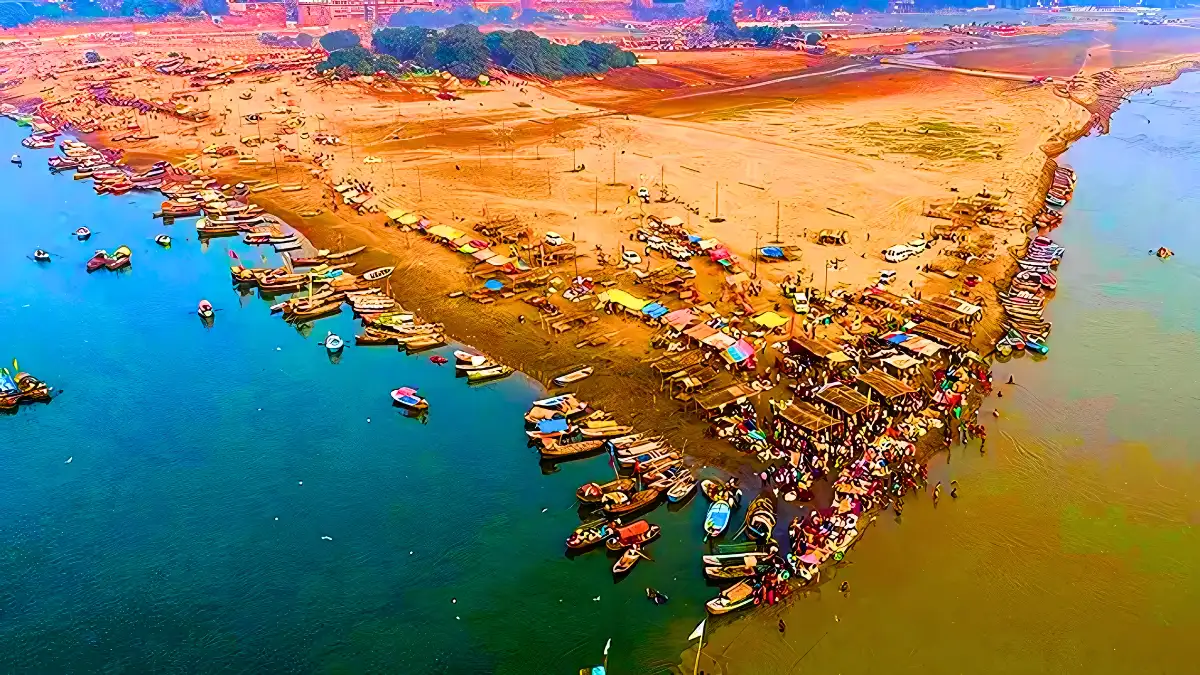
[655,310]
[552,426]
[493,284]
[898,338]
[771,251]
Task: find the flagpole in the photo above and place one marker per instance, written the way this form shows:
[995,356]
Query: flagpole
[699,648]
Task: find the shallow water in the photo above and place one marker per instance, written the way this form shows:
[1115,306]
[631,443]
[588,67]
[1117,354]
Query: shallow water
[1073,544]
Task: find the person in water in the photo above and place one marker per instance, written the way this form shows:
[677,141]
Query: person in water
[656,597]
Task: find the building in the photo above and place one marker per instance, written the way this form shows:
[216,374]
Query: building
[327,12]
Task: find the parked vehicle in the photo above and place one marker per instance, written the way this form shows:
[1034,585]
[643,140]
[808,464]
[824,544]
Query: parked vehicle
[897,253]
[631,257]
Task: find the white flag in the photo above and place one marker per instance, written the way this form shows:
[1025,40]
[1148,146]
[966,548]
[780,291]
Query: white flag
[699,632]
[607,645]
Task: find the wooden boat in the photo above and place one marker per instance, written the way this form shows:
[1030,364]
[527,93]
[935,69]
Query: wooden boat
[627,560]
[82,234]
[470,368]
[488,374]
[592,493]
[682,488]
[735,547]
[467,357]
[733,598]
[378,274]
[420,344]
[666,477]
[568,450]
[760,516]
[163,240]
[207,229]
[345,254]
[623,504]
[606,432]
[573,376]
[373,337]
[633,534]
[41,256]
[591,534]
[319,311]
[717,518]
[406,397]
[119,259]
[99,259]
[205,309]
[730,572]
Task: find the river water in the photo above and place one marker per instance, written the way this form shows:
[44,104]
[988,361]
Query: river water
[1072,546]
[207,466]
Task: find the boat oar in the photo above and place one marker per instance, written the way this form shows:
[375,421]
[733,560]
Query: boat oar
[645,556]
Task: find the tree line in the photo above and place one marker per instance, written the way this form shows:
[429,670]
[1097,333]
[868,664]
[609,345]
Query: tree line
[13,14]
[467,53]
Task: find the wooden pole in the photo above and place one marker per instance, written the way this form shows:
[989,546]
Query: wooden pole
[596,206]
[662,183]
[717,214]
[419,197]
[614,180]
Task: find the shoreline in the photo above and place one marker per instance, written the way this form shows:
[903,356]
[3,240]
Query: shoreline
[542,358]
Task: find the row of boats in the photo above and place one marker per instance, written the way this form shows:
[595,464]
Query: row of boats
[648,472]
[1025,301]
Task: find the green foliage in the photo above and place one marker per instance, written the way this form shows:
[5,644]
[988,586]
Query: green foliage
[763,36]
[403,43]
[339,39]
[467,53]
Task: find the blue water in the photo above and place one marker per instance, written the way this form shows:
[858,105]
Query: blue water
[208,464]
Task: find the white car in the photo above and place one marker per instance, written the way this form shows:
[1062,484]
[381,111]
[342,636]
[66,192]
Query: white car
[897,253]
[800,303]
[555,239]
[631,257]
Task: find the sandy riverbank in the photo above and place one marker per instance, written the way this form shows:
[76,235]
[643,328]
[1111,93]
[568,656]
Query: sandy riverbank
[865,152]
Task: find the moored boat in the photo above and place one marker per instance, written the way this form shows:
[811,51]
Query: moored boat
[119,259]
[591,534]
[760,516]
[733,598]
[489,374]
[592,493]
[406,397]
[570,450]
[619,504]
[682,488]
[717,518]
[573,376]
[634,534]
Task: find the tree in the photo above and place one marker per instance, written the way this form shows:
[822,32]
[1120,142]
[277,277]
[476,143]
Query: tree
[403,43]
[764,36]
[339,39]
[462,52]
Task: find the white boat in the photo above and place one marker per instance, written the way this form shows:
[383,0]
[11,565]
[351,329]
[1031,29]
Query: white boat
[334,343]
[378,273]
[205,309]
[573,376]
[16,159]
[162,240]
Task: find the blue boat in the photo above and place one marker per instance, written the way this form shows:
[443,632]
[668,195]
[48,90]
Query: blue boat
[717,518]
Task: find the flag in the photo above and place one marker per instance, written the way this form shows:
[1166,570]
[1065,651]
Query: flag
[16,368]
[699,632]
[233,255]
[607,645]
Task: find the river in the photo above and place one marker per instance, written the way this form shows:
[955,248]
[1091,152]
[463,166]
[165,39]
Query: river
[235,501]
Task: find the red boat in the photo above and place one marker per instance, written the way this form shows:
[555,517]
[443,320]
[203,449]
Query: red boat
[100,259]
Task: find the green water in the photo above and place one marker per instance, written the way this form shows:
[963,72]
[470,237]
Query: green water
[1073,546]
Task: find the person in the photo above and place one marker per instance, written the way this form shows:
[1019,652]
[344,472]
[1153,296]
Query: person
[845,587]
[782,626]
[1011,380]
[655,596]
[954,489]
[937,492]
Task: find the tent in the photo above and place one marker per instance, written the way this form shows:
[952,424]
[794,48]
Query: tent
[739,351]
[770,320]
[654,310]
[680,318]
[444,232]
[626,300]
